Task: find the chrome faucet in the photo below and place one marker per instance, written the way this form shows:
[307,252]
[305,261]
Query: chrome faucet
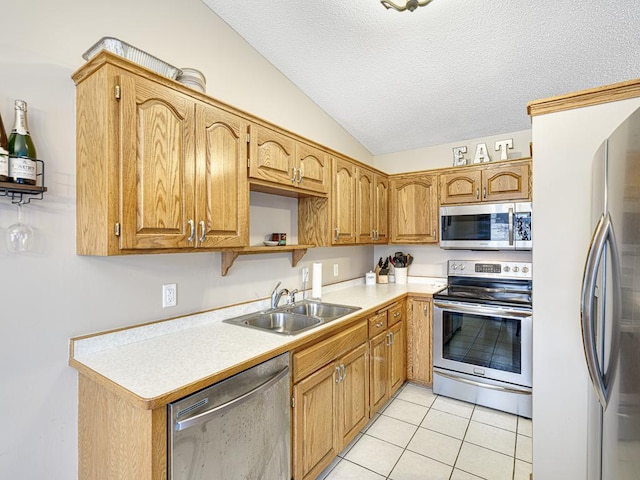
[277,295]
[291,298]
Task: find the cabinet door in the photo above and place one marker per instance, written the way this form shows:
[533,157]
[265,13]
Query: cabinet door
[379,370]
[381,210]
[156,164]
[397,357]
[419,344]
[364,205]
[313,165]
[315,436]
[460,187]
[272,156]
[507,182]
[343,202]
[222,202]
[354,394]
[414,209]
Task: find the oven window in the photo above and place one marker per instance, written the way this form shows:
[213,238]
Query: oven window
[485,226]
[491,342]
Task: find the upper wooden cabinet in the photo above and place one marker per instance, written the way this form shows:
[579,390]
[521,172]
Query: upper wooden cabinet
[282,161]
[486,183]
[381,209]
[343,202]
[364,205]
[157,169]
[414,208]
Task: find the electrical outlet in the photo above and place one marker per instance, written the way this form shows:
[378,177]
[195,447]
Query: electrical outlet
[169,295]
[335,269]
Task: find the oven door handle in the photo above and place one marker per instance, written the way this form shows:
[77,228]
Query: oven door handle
[482,309]
[483,385]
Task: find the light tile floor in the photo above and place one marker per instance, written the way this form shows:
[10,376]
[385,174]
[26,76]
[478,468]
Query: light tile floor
[418,435]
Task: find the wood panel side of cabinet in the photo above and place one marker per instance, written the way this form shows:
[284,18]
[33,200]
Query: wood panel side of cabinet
[315,433]
[97,186]
[222,189]
[419,341]
[314,221]
[110,429]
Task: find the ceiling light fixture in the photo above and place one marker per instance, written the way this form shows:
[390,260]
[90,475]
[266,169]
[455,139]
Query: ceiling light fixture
[410,5]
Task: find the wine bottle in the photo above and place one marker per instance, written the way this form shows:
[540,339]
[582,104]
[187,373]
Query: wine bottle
[22,151]
[4,154]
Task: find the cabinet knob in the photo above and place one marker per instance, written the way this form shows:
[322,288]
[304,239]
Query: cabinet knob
[396,315]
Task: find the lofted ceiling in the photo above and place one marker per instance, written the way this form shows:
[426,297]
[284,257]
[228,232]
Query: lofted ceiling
[449,71]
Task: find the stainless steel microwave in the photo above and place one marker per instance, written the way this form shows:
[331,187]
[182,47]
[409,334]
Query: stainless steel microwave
[491,226]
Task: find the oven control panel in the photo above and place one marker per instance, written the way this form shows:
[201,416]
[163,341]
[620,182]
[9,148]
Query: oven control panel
[489,269]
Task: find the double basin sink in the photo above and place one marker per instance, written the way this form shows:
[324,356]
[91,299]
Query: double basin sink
[293,319]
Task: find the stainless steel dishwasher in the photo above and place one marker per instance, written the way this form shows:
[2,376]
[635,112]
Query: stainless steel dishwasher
[235,429]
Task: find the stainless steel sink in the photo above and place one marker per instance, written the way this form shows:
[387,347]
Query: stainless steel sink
[325,311]
[293,319]
[286,323]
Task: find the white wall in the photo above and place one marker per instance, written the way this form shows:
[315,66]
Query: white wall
[564,145]
[441,156]
[51,294]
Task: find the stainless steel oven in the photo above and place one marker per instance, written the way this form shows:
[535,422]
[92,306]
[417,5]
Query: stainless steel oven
[482,335]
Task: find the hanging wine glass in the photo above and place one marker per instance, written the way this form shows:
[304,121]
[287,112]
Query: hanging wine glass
[19,235]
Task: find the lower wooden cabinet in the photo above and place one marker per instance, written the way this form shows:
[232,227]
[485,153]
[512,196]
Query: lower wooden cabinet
[332,404]
[387,354]
[419,340]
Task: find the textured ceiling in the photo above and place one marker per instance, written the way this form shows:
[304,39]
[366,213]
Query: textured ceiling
[450,71]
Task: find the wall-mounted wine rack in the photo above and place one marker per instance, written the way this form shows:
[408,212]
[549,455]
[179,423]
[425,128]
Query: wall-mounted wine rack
[23,194]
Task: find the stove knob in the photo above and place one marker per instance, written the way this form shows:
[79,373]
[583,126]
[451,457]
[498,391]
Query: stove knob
[506,268]
[454,267]
[525,269]
[462,266]
[516,269]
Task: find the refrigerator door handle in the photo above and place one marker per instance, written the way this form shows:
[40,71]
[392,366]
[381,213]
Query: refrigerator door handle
[603,235]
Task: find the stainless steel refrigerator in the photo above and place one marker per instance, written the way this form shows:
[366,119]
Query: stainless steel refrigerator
[610,308]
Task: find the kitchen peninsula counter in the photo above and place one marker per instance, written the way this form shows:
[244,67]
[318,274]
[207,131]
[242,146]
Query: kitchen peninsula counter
[158,363]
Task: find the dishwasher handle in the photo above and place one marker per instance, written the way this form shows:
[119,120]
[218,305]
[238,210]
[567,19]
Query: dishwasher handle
[204,416]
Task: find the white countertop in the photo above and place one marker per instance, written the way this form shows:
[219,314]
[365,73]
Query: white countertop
[154,360]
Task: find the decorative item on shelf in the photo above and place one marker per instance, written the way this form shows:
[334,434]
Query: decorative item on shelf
[270,243]
[410,5]
[281,238]
[482,153]
[22,151]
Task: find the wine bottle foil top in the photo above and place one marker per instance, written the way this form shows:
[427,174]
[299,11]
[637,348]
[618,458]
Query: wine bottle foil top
[21,105]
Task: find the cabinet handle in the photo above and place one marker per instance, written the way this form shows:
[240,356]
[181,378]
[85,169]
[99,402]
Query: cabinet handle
[337,237]
[344,372]
[396,315]
[484,192]
[293,179]
[202,230]
[192,229]
[393,338]
[388,343]
[338,375]
[299,175]
[434,234]
[378,325]
[478,193]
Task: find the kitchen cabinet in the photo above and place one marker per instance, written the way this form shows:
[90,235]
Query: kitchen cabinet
[372,199]
[419,340]
[381,209]
[343,196]
[509,180]
[279,160]
[387,354]
[157,169]
[414,208]
[330,398]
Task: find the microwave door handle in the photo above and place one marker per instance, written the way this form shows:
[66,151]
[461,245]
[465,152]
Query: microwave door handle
[510,225]
[601,381]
